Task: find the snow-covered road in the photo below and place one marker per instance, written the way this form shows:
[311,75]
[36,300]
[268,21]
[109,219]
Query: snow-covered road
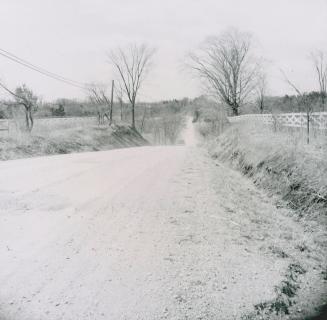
[139,233]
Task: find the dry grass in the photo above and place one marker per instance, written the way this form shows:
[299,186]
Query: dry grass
[280,163]
[295,176]
[64,137]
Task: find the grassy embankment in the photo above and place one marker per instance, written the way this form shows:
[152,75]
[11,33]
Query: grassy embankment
[60,137]
[294,175]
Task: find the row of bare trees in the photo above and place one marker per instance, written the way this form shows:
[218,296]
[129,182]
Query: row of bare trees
[225,63]
[320,67]
[132,65]
[234,76]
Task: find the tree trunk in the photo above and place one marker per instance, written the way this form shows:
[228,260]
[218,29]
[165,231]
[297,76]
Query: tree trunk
[133,114]
[31,120]
[27,121]
[121,109]
[235,108]
[323,99]
[143,119]
[308,127]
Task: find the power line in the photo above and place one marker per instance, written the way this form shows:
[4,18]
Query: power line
[33,67]
[41,69]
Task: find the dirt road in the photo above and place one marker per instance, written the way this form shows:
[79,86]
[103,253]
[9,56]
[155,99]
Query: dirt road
[140,233]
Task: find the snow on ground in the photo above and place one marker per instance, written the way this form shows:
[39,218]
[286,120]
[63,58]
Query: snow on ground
[140,233]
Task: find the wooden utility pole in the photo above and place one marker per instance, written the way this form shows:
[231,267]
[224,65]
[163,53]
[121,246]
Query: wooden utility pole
[112,100]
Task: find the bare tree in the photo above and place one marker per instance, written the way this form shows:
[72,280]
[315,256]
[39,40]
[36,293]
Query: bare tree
[226,65]
[98,96]
[132,64]
[261,91]
[305,101]
[25,97]
[112,99]
[320,64]
[143,119]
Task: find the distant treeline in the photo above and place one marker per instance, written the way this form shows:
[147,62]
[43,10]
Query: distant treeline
[287,103]
[80,108]
[84,108]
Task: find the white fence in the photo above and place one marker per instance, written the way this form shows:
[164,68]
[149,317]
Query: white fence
[318,120]
[66,120]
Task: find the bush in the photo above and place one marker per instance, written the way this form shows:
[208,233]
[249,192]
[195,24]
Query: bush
[59,112]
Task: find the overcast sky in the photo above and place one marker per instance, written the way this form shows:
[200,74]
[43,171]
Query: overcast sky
[71,38]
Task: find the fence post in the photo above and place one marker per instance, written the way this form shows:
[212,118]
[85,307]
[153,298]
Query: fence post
[308,127]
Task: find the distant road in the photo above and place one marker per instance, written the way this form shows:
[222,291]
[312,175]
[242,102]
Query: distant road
[139,233]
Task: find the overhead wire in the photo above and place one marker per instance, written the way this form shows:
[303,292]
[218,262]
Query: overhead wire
[40,70]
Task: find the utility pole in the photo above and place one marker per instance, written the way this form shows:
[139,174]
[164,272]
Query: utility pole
[112,100]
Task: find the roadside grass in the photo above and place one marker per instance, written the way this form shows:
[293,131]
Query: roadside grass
[294,176]
[156,125]
[280,164]
[285,293]
[51,139]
